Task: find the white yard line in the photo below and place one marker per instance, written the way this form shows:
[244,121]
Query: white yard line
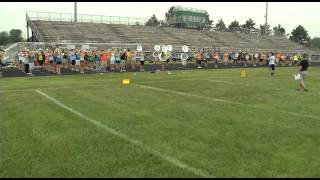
[98,124]
[225,101]
[249,85]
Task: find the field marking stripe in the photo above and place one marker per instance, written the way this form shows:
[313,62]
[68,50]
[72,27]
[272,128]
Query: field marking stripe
[169,159]
[249,85]
[225,101]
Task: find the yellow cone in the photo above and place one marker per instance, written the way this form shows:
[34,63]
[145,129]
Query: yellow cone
[126,81]
[243,74]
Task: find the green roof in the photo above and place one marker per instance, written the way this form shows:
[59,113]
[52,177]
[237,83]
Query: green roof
[181,8]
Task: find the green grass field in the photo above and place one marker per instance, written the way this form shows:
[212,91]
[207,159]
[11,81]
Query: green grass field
[186,124]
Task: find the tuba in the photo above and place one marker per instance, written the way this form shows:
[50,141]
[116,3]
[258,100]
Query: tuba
[184,55]
[166,53]
[139,48]
[156,53]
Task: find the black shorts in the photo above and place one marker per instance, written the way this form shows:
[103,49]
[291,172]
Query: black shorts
[51,62]
[58,62]
[272,66]
[118,62]
[73,62]
[141,62]
[40,63]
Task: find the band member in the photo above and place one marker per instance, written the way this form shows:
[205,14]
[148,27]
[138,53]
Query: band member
[206,57]
[226,57]
[129,59]
[165,57]
[123,60]
[216,58]
[41,57]
[198,58]
[140,58]
[272,61]
[112,60]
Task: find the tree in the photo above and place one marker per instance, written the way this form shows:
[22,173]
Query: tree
[279,31]
[234,26]
[265,30]
[169,14]
[220,26]
[249,25]
[314,43]
[4,38]
[208,21]
[16,35]
[153,21]
[300,35]
[162,23]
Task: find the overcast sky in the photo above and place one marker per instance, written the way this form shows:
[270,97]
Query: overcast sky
[288,14]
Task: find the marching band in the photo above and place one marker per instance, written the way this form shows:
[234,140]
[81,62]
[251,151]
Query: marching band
[53,59]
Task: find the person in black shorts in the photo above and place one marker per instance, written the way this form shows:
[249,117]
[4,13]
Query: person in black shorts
[304,64]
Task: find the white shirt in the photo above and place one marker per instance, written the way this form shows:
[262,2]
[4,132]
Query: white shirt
[272,60]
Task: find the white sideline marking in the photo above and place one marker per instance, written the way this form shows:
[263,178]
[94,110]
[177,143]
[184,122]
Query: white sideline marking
[225,101]
[249,85]
[173,161]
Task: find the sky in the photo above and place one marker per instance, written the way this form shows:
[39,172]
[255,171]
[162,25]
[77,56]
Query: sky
[288,14]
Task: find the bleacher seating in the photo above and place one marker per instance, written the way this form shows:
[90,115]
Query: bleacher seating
[104,33]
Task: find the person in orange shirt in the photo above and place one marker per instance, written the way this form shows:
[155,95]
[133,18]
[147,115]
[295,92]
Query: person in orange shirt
[226,57]
[129,58]
[198,58]
[278,55]
[104,59]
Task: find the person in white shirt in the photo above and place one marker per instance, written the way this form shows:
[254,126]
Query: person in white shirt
[272,61]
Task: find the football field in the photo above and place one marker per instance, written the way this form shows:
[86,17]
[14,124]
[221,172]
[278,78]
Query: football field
[194,123]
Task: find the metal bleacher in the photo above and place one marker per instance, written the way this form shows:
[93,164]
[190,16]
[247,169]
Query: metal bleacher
[127,32]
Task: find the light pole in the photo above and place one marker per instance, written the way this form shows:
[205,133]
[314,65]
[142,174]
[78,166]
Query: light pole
[266,13]
[75,12]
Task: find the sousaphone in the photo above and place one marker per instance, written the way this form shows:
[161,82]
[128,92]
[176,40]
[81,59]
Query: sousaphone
[184,55]
[166,53]
[139,48]
[157,49]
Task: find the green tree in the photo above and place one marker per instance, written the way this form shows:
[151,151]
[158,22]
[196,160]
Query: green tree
[169,14]
[153,21]
[279,31]
[16,35]
[265,30]
[220,26]
[314,43]
[209,22]
[4,38]
[300,35]
[248,26]
[234,26]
